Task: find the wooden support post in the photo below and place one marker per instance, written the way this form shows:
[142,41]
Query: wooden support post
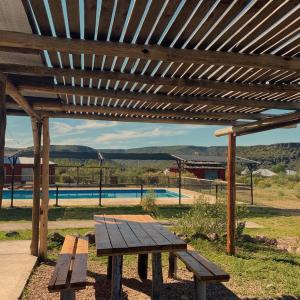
[2,132]
[231,194]
[45,190]
[200,289]
[100,183]
[68,294]
[157,278]
[37,132]
[116,282]
[179,181]
[251,183]
[13,167]
[109,267]
[172,265]
[143,266]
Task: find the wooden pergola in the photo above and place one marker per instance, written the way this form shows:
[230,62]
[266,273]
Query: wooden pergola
[183,62]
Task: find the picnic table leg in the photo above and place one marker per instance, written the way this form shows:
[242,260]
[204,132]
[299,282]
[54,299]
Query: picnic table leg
[109,263]
[172,265]
[116,281]
[200,289]
[157,278]
[142,266]
[68,294]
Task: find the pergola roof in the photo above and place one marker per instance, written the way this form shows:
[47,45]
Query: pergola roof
[188,62]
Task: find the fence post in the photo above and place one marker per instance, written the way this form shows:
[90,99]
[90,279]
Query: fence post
[13,181]
[217,188]
[100,184]
[56,201]
[142,189]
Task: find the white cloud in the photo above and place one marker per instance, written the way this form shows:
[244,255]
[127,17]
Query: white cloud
[136,134]
[60,128]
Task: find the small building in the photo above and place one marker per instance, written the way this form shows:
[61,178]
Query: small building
[24,170]
[203,167]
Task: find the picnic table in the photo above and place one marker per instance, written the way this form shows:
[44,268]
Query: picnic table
[118,235]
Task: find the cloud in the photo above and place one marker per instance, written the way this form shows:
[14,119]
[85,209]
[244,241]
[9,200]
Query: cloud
[136,134]
[61,128]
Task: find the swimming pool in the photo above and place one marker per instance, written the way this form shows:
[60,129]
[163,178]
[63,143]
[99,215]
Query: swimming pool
[92,194]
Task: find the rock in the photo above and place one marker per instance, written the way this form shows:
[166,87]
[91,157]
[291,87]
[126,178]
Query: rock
[91,237]
[212,236]
[56,238]
[291,249]
[247,238]
[12,234]
[266,241]
[298,250]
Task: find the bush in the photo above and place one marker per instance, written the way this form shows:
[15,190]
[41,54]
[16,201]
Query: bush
[148,203]
[205,219]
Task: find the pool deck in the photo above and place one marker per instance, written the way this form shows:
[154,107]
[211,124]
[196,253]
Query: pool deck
[188,197]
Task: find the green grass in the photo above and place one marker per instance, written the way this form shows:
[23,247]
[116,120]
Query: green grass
[256,271]
[87,212]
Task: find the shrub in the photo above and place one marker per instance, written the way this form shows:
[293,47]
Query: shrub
[148,203]
[205,218]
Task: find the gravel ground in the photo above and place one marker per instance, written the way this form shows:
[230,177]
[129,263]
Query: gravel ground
[132,287]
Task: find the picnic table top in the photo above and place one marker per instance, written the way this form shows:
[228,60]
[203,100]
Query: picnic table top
[133,234]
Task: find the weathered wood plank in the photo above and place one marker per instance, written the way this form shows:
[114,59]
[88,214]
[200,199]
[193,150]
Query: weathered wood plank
[159,98]
[143,266]
[22,42]
[116,281]
[172,265]
[152,80]
[2,132]
[45,190]
[157,277]
[36,131]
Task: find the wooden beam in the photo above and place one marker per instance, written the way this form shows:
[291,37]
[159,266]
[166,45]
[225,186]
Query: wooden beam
[37,131]
[2,133]
[151,80]
[262,125]
[158,98]
[14,93]
[231,194]
[60,107]
[22,42]
[89,116]
[45,190]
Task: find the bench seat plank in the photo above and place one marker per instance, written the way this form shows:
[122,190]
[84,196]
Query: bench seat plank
[202,268]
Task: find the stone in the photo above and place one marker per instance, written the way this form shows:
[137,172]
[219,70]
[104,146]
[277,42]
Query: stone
[91,237]
[298,250]
[292,249]
[56,238]
[212,236]
[12,234]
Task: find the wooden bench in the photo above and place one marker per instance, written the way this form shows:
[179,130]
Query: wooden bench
[204,270]
[71,268]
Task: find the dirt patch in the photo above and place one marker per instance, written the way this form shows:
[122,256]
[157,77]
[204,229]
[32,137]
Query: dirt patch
[133,288]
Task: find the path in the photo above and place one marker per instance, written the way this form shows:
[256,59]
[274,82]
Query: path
[16,266]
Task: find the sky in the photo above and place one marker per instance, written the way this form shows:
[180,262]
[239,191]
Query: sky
[116,135]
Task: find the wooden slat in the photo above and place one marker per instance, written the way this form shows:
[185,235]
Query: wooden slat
[117,241]
[79,267]
[68,245]
[24,41]
[193,265]
[103,243]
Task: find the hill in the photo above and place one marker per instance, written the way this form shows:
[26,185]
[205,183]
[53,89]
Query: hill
[284,153]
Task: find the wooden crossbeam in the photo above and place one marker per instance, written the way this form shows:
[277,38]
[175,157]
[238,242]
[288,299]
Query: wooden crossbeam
[60,107]
[262,125]
[89,116]
[151,80]
[159,98]
[22,42]
[14,93]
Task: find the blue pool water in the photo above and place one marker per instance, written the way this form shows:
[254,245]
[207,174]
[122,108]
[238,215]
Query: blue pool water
[80,194]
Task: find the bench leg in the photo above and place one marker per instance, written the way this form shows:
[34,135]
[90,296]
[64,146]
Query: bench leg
[109,263]
[116,281]
[172,265]
[143,266]
[68,294]
[200,289]
[157,278]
